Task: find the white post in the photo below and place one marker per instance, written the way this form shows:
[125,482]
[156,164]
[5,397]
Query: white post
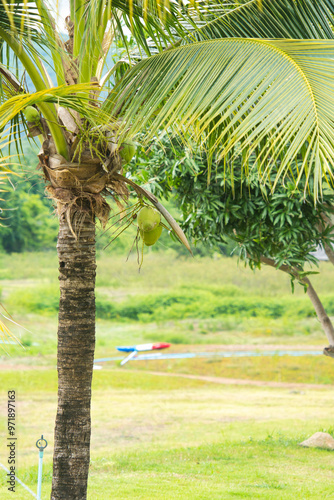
[41,444]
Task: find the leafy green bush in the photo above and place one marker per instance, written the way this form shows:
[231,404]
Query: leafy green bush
[221,204]
[39,299]
[177,304]
[194,304]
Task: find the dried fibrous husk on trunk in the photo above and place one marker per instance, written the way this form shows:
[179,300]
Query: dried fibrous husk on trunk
[78,187]
[76,205]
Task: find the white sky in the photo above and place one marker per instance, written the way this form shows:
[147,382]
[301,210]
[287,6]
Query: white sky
[62,7]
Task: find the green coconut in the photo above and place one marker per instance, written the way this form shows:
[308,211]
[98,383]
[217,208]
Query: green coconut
[151,237]
[148,219]
[31,114]
[128,151]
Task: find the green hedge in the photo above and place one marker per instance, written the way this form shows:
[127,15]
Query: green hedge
[181,303]
[174,306]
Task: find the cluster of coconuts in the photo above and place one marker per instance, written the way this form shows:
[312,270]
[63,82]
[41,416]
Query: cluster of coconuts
[148,218]
[148,221]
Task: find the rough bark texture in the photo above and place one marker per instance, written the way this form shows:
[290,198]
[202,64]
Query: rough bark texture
[76,344]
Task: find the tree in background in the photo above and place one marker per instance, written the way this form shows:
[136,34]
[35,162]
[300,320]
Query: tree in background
[29,222]
[280,229]
[195,71]
[5,172]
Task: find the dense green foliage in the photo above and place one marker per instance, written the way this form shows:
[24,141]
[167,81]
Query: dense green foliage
[28,221]
[177,304]
[284,225]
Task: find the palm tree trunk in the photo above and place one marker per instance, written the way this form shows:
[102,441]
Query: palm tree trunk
[76,344]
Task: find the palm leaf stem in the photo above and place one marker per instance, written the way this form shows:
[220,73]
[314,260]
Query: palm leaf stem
[100,52]
[90,41]
[79,26]
[302,19]
[48,110]
[11,79]
[49,26]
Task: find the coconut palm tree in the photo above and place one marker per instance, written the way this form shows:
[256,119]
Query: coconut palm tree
[200,69]
[81,162]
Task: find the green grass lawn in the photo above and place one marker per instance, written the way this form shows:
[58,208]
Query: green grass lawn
[160,437]
[167,437]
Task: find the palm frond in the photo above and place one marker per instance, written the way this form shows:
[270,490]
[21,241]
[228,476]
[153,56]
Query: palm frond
[6,336]
[5,159]
[64,95]
[155,24]
[152,20]
[76,97]
[296,19]
[21,17]
[270,98]
[20,48]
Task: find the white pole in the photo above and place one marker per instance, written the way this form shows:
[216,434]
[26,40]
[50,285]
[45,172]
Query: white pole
[131,355]
[41,444]
[40,470]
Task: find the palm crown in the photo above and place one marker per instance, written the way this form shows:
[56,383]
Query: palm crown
[241,96]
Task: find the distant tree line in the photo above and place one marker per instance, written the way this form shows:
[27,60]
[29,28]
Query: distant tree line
[28,222]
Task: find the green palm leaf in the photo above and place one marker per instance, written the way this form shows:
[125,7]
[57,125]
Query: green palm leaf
[272,99]
[76,97]
[297,19]
[154,24]
[20,16]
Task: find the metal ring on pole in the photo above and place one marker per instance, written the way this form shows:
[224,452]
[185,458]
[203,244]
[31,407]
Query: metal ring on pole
[40,443]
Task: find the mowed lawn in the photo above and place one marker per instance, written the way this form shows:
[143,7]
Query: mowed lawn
[160,437]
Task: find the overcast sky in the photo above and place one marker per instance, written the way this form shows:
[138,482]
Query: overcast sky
[63,9]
